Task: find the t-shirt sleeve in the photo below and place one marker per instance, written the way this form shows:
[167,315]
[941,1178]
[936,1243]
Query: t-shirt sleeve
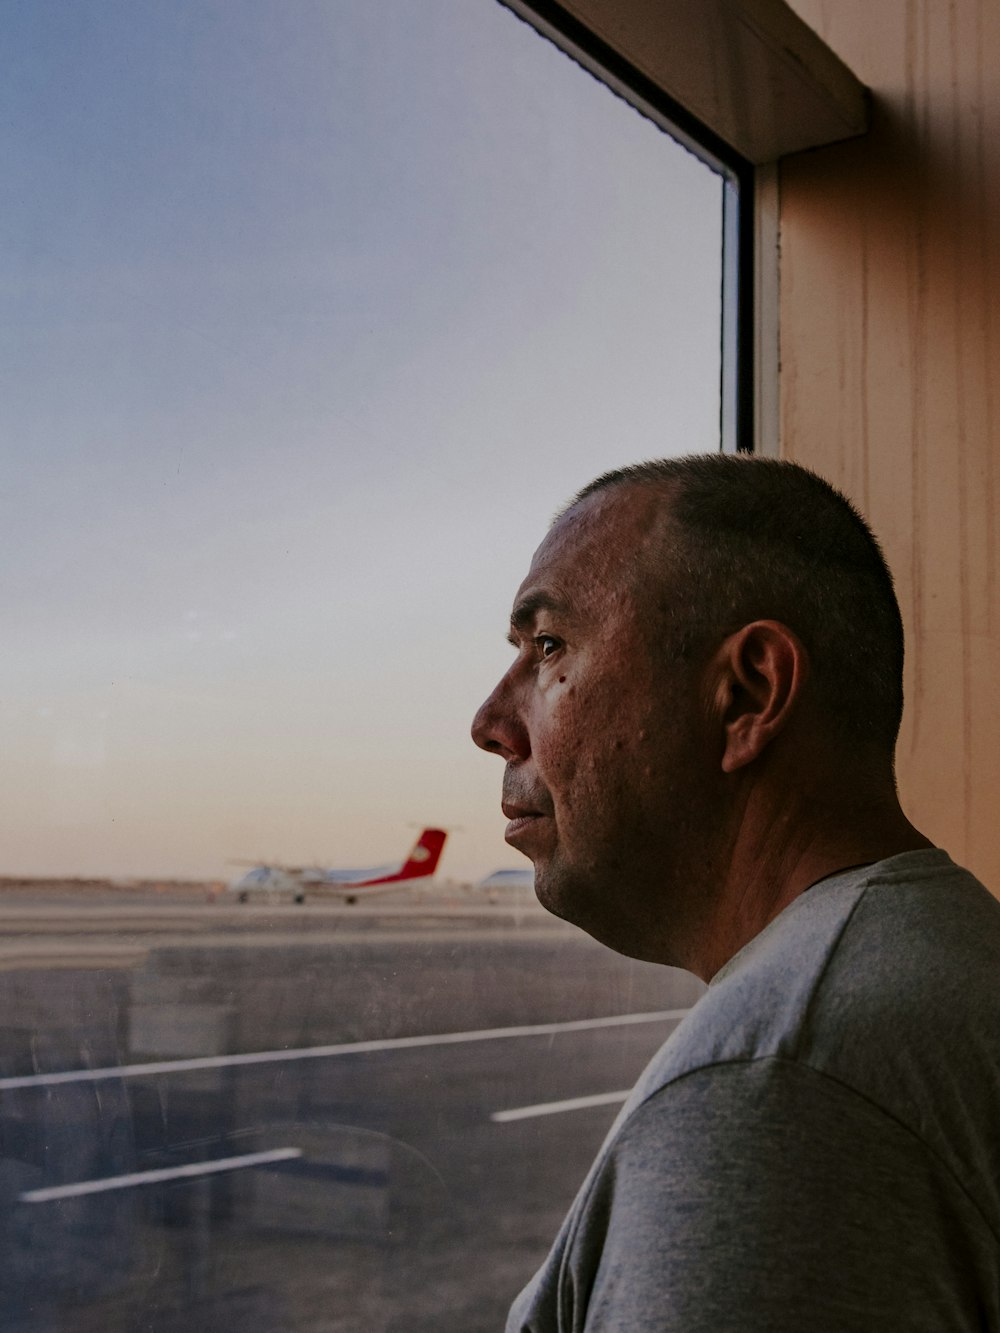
[762,1195]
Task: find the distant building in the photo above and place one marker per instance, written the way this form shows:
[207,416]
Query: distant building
[508,879]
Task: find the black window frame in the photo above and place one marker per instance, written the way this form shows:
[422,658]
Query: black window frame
[737,375]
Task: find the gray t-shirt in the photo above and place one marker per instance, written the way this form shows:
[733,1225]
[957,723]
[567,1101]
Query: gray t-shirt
[817,1146]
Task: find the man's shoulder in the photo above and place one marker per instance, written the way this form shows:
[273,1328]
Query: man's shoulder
[920,950]
[882,981]
[729,1189]
[912,940]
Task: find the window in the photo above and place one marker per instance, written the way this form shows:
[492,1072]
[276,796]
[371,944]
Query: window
[315,313]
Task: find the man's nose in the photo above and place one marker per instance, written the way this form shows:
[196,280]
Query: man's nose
[497,726]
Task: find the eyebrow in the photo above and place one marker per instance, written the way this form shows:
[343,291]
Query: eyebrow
[528,607]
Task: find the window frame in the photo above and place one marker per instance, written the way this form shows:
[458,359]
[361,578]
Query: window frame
[746,82]
[737,359]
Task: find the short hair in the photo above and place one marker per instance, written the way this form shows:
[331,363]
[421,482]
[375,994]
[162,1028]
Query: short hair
[761,538]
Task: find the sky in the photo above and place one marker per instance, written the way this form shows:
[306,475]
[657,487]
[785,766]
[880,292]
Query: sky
[314,313]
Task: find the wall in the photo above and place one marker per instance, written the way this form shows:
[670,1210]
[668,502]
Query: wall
[890,369]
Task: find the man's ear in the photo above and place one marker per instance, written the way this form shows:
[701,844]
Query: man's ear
[760,672]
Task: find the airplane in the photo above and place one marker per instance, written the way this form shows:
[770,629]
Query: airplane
[275,880]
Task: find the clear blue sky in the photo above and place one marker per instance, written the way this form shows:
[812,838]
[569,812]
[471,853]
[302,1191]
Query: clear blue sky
[314,312]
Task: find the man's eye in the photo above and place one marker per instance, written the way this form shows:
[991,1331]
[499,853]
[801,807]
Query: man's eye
[546,644]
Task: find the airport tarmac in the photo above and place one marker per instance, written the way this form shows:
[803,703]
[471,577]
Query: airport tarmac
[222,1117]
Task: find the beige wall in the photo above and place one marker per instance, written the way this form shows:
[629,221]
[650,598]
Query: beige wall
[890,369]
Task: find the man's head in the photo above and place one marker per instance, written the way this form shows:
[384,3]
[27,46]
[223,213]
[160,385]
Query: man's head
[689,633]
[757,539]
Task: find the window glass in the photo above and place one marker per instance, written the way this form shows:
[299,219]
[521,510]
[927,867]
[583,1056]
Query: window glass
[315,312]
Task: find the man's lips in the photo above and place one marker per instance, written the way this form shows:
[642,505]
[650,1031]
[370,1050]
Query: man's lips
[521,819]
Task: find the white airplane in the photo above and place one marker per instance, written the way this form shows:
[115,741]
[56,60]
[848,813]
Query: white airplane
[275,880]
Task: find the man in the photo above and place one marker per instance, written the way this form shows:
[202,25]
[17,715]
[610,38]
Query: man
[698,728]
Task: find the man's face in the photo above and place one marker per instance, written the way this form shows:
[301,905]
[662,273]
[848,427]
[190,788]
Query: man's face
[607,757]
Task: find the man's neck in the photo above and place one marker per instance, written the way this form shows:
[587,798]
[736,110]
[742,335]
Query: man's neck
[770,866]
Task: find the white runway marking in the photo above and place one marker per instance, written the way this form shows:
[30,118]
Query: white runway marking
[554,1108]
[155,1177]
[325,1052]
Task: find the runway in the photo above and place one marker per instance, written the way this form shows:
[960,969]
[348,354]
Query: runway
[301,1118]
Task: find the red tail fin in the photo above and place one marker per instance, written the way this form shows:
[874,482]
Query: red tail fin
[423,859]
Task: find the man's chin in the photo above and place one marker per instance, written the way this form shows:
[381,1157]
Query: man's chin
[544,888]
[584,906]
[556,894]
